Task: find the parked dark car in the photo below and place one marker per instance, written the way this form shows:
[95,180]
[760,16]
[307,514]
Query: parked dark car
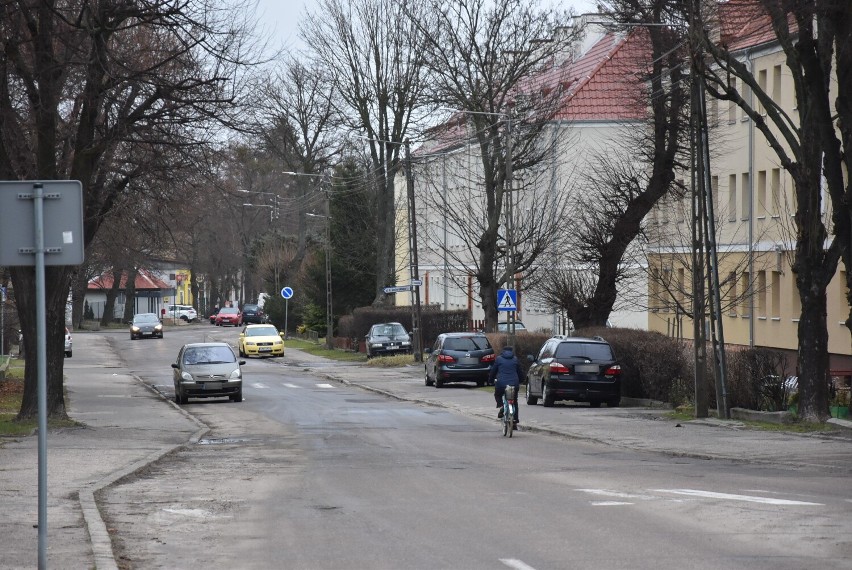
[254,314]
[504,327]
[459,357]
[574,368]
[386,339]
[146,324]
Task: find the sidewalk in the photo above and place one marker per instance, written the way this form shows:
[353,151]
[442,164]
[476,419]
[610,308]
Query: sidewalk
[125,426]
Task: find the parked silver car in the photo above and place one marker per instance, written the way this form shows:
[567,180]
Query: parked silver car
[207,370]
[68,343]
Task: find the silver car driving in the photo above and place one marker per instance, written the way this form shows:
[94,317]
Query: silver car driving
[207,370]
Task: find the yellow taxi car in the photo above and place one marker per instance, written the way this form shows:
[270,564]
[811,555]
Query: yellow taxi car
[260,340]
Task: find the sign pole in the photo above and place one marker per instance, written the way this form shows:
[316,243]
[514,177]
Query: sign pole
[41,359]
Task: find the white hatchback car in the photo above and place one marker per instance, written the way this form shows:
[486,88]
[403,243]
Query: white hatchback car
[68,343]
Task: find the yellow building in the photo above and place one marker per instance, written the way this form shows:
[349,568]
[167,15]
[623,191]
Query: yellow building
[754,204]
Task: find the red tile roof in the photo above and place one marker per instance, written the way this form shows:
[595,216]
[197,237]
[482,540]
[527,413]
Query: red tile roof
[745,23]
[144,281]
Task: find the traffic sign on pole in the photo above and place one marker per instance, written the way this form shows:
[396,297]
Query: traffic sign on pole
[398,289]
[287,292]
[507,300]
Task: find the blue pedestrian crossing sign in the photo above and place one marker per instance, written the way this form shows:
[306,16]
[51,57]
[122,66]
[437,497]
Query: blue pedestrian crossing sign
[507,300]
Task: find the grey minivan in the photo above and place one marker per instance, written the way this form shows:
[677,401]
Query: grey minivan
[207,370]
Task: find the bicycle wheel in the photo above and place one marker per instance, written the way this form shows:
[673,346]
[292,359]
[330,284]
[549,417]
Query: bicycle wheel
[510,423]
[505,423]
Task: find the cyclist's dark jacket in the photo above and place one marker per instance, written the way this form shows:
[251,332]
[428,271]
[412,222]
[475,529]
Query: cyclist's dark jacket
[506,369]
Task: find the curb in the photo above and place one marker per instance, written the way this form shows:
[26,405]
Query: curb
[99,537]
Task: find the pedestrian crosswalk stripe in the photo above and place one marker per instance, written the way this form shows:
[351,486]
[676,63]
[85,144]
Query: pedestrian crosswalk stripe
[324,386]
[288,385]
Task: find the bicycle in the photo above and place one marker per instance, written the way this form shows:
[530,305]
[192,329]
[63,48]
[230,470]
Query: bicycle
[510,402]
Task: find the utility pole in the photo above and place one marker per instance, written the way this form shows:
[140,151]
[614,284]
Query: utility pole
[510,238]
[416,314]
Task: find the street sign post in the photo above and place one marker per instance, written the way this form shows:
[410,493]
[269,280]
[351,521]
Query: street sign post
[41,223]
[286,292]
[397,289]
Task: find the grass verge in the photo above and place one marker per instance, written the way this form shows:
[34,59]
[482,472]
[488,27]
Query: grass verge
[11,394]
[321,350]
[687,413]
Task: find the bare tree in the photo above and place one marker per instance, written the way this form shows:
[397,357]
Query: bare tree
[97,92]
[813,146]
[374,55]
[499,66]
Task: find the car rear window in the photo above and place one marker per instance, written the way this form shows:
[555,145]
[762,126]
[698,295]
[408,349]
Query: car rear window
[590,350]
[467,343]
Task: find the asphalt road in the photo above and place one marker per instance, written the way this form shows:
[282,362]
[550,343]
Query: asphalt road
[310,474]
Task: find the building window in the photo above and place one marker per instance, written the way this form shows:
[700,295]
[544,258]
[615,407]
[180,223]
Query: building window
[745,293]
[732,107]
[731,293]
[775,189]
[714,188]
[762,206]
[761,82]
[745,195]
[760,306]
[776,294]
[795,301]
[732,198]
[776,84]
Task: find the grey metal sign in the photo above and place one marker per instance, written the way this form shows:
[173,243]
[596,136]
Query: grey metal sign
[62,215]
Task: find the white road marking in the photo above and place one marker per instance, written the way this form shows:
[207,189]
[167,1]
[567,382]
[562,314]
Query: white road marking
[516,564]
[324,386]
[259,385]
[618,494]
[288,385]
[610,503]
[732,497]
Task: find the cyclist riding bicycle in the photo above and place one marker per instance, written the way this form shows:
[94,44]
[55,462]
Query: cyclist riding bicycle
[506,371]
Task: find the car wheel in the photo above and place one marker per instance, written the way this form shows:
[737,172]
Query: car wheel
[132,337]
[546,396]
[480,383]
[428,381]
[531,400]
[185,319]
[68,353]
[179,397]
[439,383]
[238,397]
[240,351]
[614,403]
[595,404]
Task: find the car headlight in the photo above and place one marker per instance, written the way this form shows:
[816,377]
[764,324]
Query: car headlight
[187,377]
[376,345]
[236,374]
[251,343]
[134,328]
[158,328]
[406,343]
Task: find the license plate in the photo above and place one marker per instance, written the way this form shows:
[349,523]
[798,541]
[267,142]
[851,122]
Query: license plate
[587,368]
[212,385]
[264,349]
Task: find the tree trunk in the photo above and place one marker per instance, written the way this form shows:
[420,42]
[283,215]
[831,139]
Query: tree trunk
[812,361]
[130,296]
[57,283]
[109,306]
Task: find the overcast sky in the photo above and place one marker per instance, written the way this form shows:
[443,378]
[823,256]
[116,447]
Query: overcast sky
[281,17]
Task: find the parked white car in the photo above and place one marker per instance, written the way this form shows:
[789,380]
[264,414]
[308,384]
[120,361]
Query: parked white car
[183,312]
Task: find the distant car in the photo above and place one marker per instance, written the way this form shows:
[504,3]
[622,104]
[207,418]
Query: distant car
[228,316]
[505,327]
[459,357]
[68,343]
[146,324]
[574,368]
[253,314]
[386,339]
[207,370]
[183,312]
[260,340]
